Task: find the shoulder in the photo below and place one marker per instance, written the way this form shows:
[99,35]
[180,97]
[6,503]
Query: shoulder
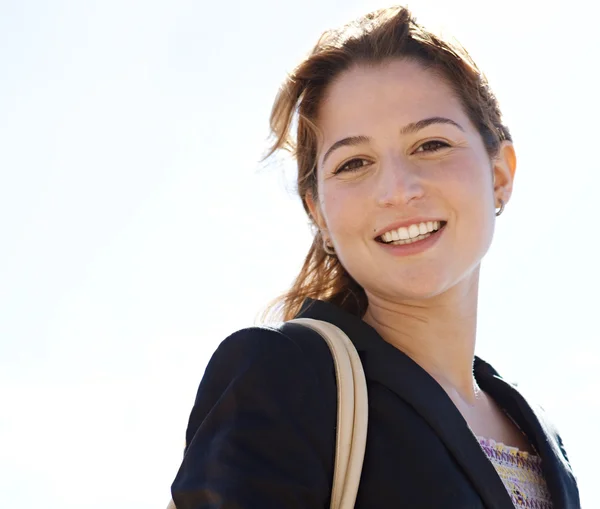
[289,344]
[255,343]
[279,361]
[261,417]
[262,369]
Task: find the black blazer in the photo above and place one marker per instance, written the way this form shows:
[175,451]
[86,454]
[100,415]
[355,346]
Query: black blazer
[262,430]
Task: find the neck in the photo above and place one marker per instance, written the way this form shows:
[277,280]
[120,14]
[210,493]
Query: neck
[437,333]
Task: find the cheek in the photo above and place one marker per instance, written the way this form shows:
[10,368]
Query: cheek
[473,199]
[469,179]
[345,208]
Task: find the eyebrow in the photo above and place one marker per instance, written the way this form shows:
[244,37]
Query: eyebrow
[411,128]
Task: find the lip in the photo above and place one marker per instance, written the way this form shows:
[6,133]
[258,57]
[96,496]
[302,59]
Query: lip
[406,224]
[414,247]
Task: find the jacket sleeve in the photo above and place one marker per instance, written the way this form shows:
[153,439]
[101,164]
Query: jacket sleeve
[261,434]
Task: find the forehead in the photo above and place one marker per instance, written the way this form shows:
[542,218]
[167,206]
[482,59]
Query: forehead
[400,91]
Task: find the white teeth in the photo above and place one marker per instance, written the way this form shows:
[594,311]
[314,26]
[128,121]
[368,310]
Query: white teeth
[412,232]
[403,232]
[410,241]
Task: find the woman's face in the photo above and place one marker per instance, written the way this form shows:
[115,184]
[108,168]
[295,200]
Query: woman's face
[397,149]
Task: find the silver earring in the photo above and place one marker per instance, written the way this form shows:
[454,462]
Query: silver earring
[329,250]
[501,209]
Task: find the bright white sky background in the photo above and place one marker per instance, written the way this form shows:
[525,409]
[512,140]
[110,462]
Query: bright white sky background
[137,229]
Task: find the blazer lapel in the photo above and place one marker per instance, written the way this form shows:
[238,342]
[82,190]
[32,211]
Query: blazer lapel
[389,366]
[557,470]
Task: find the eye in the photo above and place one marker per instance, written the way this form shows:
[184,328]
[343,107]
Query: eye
[432,146]
[352,165]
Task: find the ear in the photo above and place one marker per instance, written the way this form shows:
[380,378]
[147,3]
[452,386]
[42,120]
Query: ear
[315,211]
[504,168]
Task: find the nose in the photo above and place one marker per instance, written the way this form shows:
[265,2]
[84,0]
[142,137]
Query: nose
[399,182]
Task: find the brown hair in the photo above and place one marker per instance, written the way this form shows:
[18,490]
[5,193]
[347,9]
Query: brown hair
[374,38]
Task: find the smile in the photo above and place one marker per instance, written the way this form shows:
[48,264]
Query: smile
[410,234]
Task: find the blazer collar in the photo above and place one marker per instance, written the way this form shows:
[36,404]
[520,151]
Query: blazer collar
[389,366]
[542,433]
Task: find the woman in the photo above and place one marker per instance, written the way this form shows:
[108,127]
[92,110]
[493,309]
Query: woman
[403,165]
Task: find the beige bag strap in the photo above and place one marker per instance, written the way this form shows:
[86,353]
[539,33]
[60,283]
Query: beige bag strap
[352,415]
[353,410]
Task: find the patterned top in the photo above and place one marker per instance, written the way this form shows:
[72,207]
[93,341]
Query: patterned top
[521,473]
